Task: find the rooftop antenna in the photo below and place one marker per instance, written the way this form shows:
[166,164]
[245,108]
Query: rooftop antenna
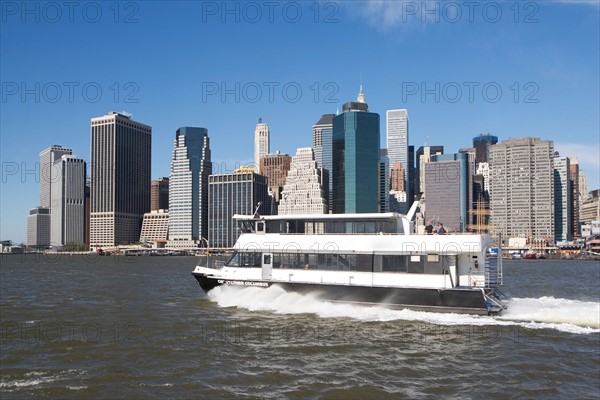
[426,141]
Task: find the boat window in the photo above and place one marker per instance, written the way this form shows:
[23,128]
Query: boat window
[394,263]
[244,259]
[331,262]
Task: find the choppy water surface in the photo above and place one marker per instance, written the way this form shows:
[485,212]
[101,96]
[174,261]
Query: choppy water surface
[116,327]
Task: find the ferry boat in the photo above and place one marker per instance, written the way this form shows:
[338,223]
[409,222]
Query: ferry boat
[368,259]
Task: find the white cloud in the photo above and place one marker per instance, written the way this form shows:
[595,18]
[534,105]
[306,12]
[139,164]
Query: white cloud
[386,14]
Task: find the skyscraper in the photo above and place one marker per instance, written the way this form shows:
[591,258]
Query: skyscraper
[323,151]
[562,199]
[159,194]
[522,189]
[229,194]
[67,216]
[482,145]
[575,198]
[262,145]
[384,181]
[303,192]
[47,159]
[38,227]
[397,138]
[188,187]
[422,157]
[356,159]
[446,187]
[120,178]
[275,167]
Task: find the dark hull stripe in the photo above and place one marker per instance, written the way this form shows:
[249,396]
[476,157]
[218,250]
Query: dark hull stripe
[469,301]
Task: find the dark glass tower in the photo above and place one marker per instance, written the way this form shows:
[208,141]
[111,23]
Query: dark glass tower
[482,145]
[356,159]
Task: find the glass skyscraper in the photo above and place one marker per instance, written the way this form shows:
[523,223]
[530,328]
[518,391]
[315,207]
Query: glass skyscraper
[356,159]
[323,151]
[188,187]
[229,194]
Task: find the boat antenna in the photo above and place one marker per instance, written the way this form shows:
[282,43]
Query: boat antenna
[256,214]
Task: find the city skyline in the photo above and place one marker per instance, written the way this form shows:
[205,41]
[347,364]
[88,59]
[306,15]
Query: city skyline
[545,66]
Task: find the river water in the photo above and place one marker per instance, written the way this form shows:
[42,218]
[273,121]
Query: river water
[84,327]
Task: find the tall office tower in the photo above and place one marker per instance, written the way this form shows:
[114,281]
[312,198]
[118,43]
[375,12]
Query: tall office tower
[562,199]
[574,185]
[482,145]
[120,177]
[356,159]
[159,194]
[238,193]
[470,152]
[68,217]
[275,167]
[384,181]
[446,184]
[47,159]
[262,145]
[303,192]
[397,137]
[323,150]
[410,175]
[522,189]
[583,189]
[38,227]
[397,178]
[397,148]
[422,157]
[88,207]
[188,187]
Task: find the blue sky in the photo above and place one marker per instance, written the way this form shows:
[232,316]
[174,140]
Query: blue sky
[511,69]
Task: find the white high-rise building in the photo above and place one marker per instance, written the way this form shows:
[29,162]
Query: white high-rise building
[188,187]
[563,198]
[47,159]
[67,217]
[522,189]
[303,192]
[262,145]
[397,137]
[483,168]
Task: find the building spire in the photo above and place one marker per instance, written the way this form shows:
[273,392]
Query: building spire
[361,96]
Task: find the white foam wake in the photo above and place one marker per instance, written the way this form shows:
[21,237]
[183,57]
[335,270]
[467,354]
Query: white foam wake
[544,313]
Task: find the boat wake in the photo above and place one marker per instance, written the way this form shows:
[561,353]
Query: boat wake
[572,316]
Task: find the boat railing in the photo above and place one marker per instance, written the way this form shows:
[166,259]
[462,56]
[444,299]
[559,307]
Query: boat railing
[493,270]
